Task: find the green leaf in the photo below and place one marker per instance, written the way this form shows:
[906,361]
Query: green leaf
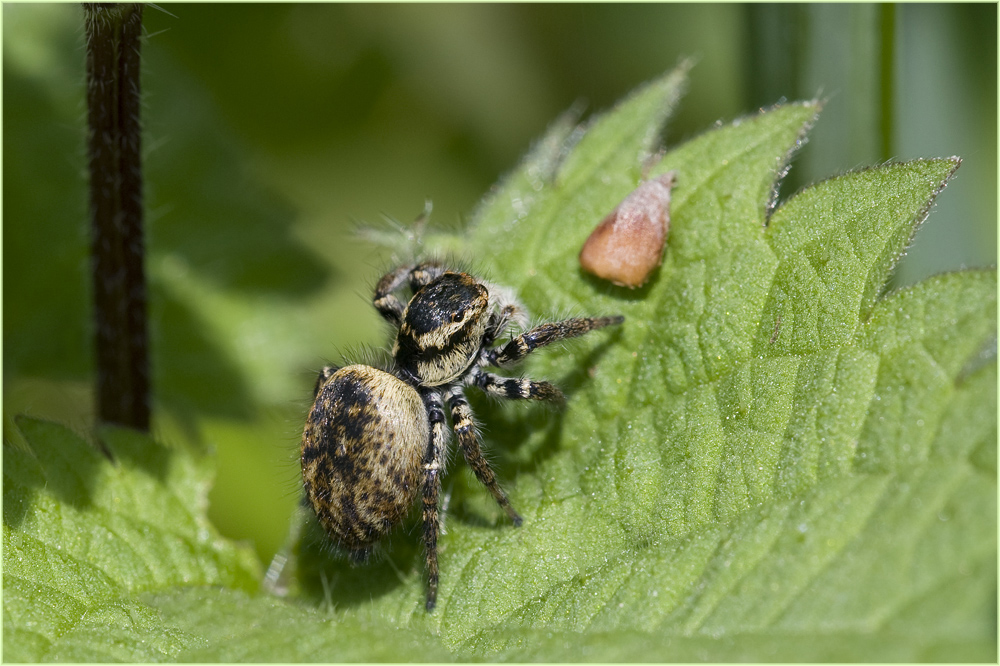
[755,441]
[769,460]
[83,537]
[115,561]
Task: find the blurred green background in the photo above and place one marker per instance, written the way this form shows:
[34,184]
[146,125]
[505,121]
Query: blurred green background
[272,131]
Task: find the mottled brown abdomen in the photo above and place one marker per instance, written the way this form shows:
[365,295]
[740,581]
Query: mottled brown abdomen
[362,451]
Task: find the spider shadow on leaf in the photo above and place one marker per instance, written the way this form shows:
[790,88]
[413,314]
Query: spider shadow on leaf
[329,577]
[525,436]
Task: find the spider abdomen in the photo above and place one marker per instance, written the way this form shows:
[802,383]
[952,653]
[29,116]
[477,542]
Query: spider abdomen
[362,450]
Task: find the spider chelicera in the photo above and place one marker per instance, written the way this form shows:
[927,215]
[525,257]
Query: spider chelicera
[375,439]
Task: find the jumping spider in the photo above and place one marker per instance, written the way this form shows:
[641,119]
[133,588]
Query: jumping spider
[374,440]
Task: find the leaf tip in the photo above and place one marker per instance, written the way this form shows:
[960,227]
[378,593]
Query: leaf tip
[814,105]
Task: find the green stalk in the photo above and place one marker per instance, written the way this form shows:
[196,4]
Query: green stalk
[887,19]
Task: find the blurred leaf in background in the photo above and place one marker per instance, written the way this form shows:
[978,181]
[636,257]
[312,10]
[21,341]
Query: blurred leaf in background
[272,129]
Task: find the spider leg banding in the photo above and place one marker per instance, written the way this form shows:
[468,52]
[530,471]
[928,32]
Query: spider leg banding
[546,334]
[516,388]
[468,442]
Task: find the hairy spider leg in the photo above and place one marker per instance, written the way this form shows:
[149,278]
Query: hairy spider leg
[498,323]
[385,299]
[434,462]
[505,309]
[468,441]
[546,334]
[514,388]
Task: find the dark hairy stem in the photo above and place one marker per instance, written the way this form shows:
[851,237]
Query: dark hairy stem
[122,344]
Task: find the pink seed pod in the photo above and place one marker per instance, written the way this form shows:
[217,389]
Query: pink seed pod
[627,245]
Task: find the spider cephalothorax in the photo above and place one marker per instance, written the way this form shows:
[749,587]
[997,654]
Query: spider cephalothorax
[443,328]
[375,440]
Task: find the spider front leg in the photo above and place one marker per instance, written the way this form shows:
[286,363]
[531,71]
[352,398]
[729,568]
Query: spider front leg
[385,299]
[515,388]
[505,309]
[434,462]
[546,334]
[468,442]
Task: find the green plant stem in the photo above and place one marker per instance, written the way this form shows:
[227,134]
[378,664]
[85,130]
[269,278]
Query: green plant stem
[887,16]
[113,38]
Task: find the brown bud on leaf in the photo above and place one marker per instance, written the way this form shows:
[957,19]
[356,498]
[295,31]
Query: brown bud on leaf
[628,244]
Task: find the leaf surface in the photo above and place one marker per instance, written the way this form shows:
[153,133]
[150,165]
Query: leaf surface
[770,460]
[83,538]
